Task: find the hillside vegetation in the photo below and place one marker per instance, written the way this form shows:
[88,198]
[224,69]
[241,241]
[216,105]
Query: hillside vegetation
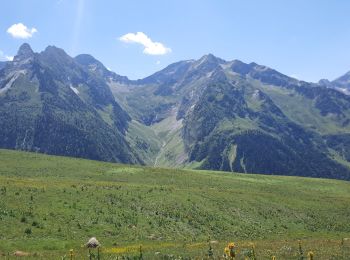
[207,114]
[214,114]
[51,204]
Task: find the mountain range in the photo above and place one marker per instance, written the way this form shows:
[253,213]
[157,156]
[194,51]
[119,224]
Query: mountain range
[205,114]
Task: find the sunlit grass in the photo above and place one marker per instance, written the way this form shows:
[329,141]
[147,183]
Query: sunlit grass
[64,202]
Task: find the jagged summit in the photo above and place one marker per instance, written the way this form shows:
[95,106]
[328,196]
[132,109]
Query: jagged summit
[211,58]
[53,48]
[86,59]
[25,49]
[53,52]
[91,63]
[96,67]
[24,52]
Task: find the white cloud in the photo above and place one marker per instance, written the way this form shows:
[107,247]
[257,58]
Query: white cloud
[19,30]
[9,58]
[4,57]
[150,47]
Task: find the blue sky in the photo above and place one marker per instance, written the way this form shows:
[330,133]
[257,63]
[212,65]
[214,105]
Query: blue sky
[306,39]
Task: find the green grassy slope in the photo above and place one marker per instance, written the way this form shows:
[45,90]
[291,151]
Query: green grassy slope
[144,141]
[50,204]
[172,151]
[305,113]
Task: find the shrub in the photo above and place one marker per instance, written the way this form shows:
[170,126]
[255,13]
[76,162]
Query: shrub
[28,231]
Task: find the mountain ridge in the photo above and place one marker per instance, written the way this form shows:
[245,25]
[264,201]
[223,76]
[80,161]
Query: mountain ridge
[181,86]
[60,106]
[205,114]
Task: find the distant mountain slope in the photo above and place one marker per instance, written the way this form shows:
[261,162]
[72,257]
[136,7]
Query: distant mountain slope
[343,81]
[2,64]
[51,104]
[241,117]
[207,114]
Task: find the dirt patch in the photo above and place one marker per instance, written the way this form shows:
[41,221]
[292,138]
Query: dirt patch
[21,253]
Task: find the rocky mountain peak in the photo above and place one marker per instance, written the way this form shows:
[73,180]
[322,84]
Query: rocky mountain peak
[324,82]
[96,67]
[210,58]
[25,52]
[86,59]
[55,52]
[91,63]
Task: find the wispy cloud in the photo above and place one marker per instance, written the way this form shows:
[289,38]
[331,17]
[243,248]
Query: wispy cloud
[19,30]
[150,47]
[4,57]
[9,58]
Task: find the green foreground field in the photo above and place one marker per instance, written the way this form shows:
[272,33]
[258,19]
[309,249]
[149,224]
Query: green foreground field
[50,204]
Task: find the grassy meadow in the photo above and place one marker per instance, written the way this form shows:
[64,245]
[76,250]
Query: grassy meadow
[50,204]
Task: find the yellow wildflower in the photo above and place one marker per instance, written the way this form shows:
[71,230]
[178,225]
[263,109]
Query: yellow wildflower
[227,251]
[231,245]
